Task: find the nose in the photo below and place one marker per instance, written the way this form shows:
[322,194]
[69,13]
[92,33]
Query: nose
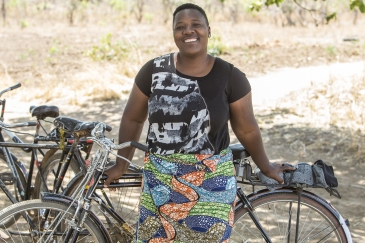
[188,30]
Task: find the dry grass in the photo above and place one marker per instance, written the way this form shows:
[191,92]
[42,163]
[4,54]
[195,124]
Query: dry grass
[338,103]
[52,59]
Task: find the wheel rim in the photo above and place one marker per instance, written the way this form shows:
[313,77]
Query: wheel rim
[315,223]
[20,231]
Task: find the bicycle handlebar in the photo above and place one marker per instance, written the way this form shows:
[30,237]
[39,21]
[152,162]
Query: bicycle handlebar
[10,88]
[139,146]
[24,124]
[15,86]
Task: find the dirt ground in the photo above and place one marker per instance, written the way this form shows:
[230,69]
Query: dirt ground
[53,69]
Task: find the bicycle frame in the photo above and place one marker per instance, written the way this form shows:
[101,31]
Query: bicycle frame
[71,151]
[14,162]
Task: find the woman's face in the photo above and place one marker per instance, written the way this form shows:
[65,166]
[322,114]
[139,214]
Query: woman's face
[191,32]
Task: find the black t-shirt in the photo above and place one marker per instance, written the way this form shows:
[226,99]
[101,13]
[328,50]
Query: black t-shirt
[189,114]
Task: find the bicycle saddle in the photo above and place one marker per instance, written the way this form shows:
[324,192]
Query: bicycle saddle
[44,111]
[238,151]
[76,127]
[66,123]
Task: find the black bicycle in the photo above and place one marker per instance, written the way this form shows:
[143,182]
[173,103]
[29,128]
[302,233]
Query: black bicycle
[54,171]
[286,214]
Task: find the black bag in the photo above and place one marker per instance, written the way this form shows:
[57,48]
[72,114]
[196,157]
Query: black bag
[329,175]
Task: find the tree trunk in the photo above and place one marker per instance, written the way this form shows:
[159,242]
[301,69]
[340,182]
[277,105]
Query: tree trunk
[354,21]
[3,11]
[139,13]
[167,5]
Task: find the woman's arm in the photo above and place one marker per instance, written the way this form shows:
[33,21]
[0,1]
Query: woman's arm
[130,129]
[247,131]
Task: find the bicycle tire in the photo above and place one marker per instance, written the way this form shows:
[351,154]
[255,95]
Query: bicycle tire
[13,190]
[317,219]
[20,232]
[125,200]
[47,167]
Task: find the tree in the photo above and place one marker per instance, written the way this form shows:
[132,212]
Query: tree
[353,4]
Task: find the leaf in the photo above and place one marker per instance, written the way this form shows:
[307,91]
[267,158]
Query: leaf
[256,6]
[329,17]
[362,8]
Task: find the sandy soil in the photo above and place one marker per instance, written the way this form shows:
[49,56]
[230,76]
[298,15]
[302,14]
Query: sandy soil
[289,134]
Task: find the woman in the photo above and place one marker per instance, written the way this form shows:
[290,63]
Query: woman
[189,96]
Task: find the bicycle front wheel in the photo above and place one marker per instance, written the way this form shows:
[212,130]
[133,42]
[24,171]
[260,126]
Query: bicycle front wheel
[124,200]
[277,213]
[54,228]
[49,168]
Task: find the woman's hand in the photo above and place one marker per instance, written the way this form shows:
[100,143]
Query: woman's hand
[115,172]
[274,169]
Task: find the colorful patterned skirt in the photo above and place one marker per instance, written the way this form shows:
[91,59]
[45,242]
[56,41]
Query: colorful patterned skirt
[187,198]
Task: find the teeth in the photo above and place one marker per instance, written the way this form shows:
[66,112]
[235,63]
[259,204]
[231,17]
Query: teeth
[190,40]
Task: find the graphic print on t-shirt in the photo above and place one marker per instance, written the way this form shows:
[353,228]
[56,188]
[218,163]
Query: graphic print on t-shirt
[178,115]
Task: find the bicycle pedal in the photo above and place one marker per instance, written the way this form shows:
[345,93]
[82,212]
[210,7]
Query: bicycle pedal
[8,178]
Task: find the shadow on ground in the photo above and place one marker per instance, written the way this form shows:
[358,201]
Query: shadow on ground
[284,141]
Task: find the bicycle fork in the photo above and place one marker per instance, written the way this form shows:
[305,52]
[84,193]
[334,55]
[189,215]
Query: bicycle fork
[76,228]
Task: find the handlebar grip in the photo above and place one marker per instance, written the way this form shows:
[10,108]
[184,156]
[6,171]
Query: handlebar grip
[32,124]
[139,146]
[108,128]
[15,86]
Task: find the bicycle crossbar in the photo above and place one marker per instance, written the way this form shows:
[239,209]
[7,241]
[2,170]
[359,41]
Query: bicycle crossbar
[121,184]
[29,145]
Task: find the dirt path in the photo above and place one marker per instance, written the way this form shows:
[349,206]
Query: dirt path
[287,136]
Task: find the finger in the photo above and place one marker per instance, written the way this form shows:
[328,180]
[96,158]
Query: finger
[286,167]
[107,182]
[280,180]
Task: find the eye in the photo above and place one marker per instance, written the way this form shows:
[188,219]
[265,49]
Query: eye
[197,25]
[179,27]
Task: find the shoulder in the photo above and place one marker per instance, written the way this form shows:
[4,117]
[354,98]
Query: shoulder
[144,76]
[238,85]
[235,73]
[222,64]
[157,62]
[163,61]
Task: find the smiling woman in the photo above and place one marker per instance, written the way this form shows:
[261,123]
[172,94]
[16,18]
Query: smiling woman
[189,97]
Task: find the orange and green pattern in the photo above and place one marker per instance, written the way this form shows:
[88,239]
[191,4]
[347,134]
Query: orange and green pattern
[187,198]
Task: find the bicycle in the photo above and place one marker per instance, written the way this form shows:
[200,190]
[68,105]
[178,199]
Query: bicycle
[46,177]
[262,216]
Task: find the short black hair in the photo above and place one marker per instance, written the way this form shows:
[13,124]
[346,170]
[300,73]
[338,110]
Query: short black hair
[190,6]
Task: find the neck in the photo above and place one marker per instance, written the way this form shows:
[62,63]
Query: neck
[192,61]
[193,65]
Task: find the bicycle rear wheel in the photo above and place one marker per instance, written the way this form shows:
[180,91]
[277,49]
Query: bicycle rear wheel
[4,168]
[277,212]
[21,231]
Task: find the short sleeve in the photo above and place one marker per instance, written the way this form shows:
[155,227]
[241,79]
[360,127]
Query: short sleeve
[144,78]
[238,86]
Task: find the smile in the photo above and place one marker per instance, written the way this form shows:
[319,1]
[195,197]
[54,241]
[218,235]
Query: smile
[190,40]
